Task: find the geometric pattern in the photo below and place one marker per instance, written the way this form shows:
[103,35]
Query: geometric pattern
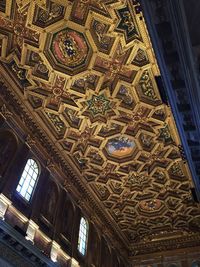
[86,72]
[127,24]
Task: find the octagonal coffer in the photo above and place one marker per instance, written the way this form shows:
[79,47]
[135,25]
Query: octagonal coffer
[120,147]
[68,51]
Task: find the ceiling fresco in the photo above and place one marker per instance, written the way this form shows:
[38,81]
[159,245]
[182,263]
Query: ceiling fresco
[85,70]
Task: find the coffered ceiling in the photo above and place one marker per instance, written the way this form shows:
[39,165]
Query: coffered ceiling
[85,70]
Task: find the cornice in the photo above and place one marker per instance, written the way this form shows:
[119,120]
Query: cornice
[147,247]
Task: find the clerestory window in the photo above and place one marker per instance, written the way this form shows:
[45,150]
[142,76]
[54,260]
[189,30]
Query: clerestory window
[83,236]
[28,179]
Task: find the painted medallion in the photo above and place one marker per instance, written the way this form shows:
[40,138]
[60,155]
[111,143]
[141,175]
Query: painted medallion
[150,205]
[69,48]
[120,147]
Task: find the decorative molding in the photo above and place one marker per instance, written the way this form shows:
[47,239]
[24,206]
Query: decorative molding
[4,204]
[54,251]
[31,230]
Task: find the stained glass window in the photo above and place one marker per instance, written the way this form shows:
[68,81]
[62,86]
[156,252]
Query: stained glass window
[83,236]
[28,179]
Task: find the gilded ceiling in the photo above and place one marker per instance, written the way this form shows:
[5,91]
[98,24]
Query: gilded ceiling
[85,70]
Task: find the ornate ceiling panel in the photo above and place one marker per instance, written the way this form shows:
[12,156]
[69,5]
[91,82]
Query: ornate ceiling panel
[86,72]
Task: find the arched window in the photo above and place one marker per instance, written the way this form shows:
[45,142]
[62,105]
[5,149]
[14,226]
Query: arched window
[28,179]
[83,236]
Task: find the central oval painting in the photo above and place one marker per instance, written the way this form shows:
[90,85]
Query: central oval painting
[120,147]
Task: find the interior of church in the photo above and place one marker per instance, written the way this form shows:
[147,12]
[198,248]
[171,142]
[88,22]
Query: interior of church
[99,133]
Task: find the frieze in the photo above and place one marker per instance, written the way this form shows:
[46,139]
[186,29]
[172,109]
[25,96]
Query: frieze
[5,112]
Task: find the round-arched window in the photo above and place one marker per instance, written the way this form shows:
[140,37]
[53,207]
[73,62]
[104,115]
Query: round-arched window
[83,236]
[28,179]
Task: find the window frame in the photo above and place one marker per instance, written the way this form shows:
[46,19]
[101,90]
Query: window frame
[35,184]
[81,238]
